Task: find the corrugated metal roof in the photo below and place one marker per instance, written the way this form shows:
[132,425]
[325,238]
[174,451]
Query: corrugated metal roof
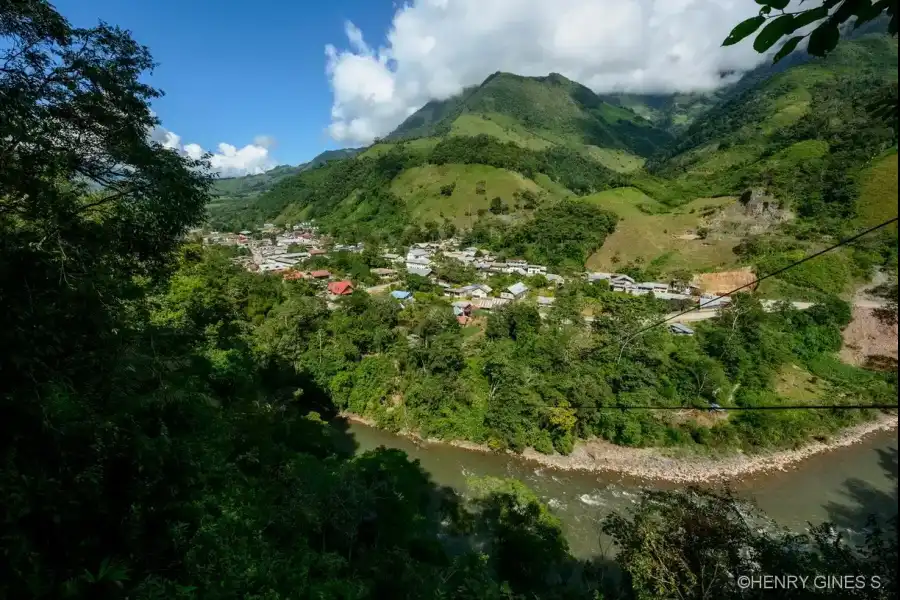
[517,288]
[681,328]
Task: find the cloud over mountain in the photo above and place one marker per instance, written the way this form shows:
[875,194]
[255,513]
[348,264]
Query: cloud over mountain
[227,160]
[435,48]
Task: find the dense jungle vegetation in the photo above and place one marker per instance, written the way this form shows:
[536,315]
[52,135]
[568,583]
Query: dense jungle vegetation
[167,426]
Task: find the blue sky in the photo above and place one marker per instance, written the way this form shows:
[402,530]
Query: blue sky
[315,75]
[234,70]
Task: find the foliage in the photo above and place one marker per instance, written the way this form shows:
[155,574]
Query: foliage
[828,17]
[695,544]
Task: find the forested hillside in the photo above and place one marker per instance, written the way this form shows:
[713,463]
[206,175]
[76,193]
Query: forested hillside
[229,195]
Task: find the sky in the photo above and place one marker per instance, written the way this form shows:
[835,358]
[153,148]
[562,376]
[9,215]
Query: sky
[270,82]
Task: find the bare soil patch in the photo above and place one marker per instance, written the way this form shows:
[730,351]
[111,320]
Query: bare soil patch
[867,336]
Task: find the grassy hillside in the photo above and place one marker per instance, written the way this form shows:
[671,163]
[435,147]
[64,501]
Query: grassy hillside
[645,235]
[740,129]
[670,112]
[474,186]
[878,190]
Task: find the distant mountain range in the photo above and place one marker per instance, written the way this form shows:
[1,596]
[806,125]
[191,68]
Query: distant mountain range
[250,185]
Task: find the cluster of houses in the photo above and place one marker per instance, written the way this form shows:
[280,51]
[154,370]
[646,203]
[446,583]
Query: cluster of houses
[619,282]
[270,254]
[420,260]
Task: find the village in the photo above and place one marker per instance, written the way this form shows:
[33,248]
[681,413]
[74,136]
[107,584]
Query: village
[289,250]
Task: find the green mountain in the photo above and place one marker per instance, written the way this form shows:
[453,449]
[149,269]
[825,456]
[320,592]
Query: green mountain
[799,136]
[545,110]
[250,185]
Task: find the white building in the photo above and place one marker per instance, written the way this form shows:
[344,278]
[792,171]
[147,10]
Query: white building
[417,262]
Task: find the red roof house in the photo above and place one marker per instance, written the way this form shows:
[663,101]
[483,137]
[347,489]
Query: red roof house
[320,274]
[340,288]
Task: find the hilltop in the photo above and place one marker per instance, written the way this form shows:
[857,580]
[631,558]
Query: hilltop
[536,112]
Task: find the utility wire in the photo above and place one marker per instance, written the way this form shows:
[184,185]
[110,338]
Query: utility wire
[843,242]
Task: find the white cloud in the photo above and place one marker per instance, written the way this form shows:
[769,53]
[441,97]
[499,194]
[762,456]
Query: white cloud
[434,48]
[227,160]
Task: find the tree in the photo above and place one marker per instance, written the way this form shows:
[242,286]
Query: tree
[681,279]
[496,205]
[448,229]
[91,212]
[695,544]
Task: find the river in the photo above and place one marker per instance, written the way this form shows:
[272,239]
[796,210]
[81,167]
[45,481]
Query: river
[842,486]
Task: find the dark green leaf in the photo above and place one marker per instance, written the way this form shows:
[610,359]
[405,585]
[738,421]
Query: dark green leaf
[867,11]
[846,10]
[774,31]
[776,4]
[808,17]
[861,7]
[743,29]
[787,48]
[824,38]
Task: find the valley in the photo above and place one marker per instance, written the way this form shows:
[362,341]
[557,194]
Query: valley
[584,188]
[514,336]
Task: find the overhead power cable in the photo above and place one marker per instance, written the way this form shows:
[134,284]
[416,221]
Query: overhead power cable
[756,281]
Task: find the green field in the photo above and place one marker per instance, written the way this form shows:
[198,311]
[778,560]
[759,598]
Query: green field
[878,190]
[617,160]
[421,188]
[499,127]
[640,236]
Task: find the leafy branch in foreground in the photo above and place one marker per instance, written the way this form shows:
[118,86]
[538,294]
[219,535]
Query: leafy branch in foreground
[829,16]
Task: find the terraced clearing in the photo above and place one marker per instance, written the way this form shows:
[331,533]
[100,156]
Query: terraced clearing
[799,386]
[421,188]
[640,236]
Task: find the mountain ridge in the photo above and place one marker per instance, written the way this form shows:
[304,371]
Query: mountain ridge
[562,110]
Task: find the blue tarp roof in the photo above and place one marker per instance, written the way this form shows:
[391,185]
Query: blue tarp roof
[400,294]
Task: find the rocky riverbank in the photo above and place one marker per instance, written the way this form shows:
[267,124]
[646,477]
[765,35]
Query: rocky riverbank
[654,464]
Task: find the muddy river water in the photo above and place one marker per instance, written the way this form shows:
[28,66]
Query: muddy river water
[842,486]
